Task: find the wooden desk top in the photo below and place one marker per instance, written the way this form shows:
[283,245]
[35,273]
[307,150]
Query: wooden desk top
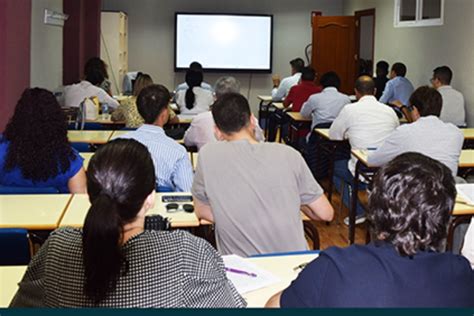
[32,212]
[118,134]
[278,105]
[105,121]
[265,98]
[185,119]
[89,137]
[296,116]
[280,266]
[468,133]
[10,276]
[79,206]
[324,132]
[87,158]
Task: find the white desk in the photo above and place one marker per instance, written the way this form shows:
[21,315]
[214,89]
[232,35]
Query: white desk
[9,279]
[32,212]
[79,206]
[282,267]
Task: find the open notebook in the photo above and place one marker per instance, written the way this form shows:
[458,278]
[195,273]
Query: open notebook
[466,192]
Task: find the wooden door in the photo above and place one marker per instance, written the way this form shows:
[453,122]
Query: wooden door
[334,48]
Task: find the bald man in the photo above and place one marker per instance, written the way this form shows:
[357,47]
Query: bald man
[366,124]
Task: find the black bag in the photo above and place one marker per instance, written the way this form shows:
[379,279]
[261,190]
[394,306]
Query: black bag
[157,222]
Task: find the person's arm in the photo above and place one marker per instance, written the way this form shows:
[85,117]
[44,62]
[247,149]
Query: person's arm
[319,210]
[203,210]
[279,93]
[339,126]
[468,248]
[289,98]
[105,98]
[391,148]
[118,114]
[202,207]
[258,132]
[307,108]
[173,118]
[78,183]
[387,93]
[182,176]
[274,301]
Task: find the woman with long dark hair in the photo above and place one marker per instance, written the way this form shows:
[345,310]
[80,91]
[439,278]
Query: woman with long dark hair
[195,99]
[34,149]
[113,261]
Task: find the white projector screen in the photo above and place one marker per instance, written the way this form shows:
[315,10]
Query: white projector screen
[223,42]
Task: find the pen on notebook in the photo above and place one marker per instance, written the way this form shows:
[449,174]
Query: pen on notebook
[250,274]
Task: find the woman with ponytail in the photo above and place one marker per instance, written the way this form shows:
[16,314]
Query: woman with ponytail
[194,99]
[113,261]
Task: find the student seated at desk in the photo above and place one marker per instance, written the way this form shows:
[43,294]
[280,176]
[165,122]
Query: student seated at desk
[196,66]
[409,211]
[398,88]
[34,149]
[127,110]
[253,191]
[201,130]
[172,165]
[281,88]
[113,261]
[365,124]
[428,135]
[195,99]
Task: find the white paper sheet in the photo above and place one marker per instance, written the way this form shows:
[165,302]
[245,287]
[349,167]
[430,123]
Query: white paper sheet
[466,192]
[245,283]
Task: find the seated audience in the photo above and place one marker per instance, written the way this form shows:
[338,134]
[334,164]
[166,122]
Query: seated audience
[113,261]
[34,149]
[195,99]
[324,107]
[90,86]
[172,165]
[381,78]
[195,66]
[282,88]
[365,124]
[453,110]
[201,130]
[398,88]
[409,211]
[468,248]
[296,97]
[127,110]
[428,135]
[253,191]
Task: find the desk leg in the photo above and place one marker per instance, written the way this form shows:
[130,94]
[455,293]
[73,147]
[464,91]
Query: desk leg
[353,207]
[332,158]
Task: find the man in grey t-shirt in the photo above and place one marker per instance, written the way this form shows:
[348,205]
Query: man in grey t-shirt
[253,191]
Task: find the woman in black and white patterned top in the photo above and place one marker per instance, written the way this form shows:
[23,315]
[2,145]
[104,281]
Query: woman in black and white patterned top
[113,261]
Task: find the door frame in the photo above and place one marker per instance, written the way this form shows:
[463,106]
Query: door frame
[358,15]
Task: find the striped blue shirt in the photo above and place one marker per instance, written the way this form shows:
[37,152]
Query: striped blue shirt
[399,88]
[173,168]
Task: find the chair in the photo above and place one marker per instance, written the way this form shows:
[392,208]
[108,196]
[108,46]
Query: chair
[82,147]
[14,247]
[11,190]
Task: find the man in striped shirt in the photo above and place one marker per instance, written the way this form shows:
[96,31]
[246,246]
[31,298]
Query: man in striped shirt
[173,168]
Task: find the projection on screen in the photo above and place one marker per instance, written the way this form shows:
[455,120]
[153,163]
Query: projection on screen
[224,42]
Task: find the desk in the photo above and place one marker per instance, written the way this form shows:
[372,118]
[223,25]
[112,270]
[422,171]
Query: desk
[79,206]
[33,212]
[468,133]
[298,123]
[186,119]
[264,113]
[87,158]
[105,121]
[10,276]
[282,267]
[118,134]
[89,137]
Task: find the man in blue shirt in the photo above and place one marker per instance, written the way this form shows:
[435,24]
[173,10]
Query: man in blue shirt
[398,88]
[173,168]
[409,210]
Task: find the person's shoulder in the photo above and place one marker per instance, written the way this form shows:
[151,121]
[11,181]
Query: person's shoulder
[65,237]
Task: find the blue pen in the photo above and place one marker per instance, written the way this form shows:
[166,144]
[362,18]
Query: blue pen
[250,274]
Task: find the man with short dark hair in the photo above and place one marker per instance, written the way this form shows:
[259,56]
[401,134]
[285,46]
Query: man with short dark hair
[405,266]
[194,66]
[365,124]
[398,88]
[324,107]
[453,110]
[381,78]
[250,190]
[281,89]
[172,165]
[428,135]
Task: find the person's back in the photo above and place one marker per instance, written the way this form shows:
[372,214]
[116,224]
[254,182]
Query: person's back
[398,88]
[300,93]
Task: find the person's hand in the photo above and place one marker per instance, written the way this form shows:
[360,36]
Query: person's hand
[276,80]
[397,103]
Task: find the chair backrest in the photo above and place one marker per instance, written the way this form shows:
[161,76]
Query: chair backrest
[4,189]
[14,247]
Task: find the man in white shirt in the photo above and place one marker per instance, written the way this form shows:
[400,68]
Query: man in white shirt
[365,124]
[201,130]
[428,135]
[324,107]
[281,89]
[88,88]
[453,110]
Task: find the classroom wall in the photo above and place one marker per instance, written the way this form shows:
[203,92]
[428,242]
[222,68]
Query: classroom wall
[46,47]
[15,18]
[424,48]
[151,34]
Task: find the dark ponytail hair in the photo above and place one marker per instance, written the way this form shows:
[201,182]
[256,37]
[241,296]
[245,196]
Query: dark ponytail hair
[119,179]
[193,79]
